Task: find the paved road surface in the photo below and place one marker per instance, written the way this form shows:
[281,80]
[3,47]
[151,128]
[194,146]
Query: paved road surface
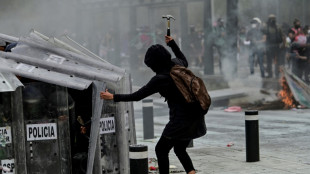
[284,142]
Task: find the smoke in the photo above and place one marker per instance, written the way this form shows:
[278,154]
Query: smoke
[51,17]
[246,11]
[121,34]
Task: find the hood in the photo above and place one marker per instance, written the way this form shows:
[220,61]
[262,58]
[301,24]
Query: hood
[158,58]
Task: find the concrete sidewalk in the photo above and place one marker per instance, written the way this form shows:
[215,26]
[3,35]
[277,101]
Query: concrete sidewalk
[284,143]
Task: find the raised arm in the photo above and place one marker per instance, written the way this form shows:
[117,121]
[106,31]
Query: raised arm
[180,58]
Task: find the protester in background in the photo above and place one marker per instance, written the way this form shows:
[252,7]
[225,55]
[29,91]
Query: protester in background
[257,46]
[242,42]
[307,66]
[274,40]
[219,40]
[298,53]
[201,36]
[297,27]
[195,47]
[186,121]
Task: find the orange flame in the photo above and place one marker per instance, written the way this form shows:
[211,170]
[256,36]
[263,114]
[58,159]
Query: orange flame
[286,95]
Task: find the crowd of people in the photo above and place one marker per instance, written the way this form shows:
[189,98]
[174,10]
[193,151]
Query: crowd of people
[276,47]
[265,44]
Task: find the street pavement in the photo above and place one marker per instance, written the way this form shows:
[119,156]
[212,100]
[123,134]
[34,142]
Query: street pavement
[283,135]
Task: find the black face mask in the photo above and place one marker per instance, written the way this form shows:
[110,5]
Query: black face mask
[272,22]
[297,26]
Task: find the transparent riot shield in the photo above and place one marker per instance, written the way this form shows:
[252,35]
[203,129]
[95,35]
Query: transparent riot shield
[6,142]
[47,115]
[108,139]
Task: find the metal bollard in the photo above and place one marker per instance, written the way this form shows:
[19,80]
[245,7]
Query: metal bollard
[148,119]
[138,156]
[251,136]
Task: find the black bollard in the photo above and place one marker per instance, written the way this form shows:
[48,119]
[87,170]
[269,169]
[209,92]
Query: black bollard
[148,119]
[251,136]
[138,156]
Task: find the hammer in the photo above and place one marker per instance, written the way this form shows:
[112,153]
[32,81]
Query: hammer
[168,22]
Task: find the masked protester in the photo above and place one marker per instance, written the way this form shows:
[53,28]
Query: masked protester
[257,46]
[274,41]
[297,27]
[298,55]
[219,40]
[185,120]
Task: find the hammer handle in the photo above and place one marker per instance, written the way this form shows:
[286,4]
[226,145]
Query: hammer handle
[168,27]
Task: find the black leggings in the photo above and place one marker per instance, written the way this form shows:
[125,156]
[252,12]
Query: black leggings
[163,148]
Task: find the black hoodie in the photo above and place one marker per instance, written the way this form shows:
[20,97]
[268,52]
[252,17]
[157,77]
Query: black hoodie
[185,122]
[158,59]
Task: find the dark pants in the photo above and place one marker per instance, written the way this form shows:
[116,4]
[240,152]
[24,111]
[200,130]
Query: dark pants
[220,50]
[163,148]
[299,68]
[260,59]
[272,54]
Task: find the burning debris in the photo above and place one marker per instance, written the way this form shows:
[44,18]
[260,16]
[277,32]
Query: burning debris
[299,91]
[286,95]
[294,93]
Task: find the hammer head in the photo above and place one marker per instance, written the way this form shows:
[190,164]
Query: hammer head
[168,17]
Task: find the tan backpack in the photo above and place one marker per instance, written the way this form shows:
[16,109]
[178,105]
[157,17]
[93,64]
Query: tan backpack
[191,86]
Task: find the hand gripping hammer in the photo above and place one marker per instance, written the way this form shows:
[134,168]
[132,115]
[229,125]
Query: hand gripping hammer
[168,22]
